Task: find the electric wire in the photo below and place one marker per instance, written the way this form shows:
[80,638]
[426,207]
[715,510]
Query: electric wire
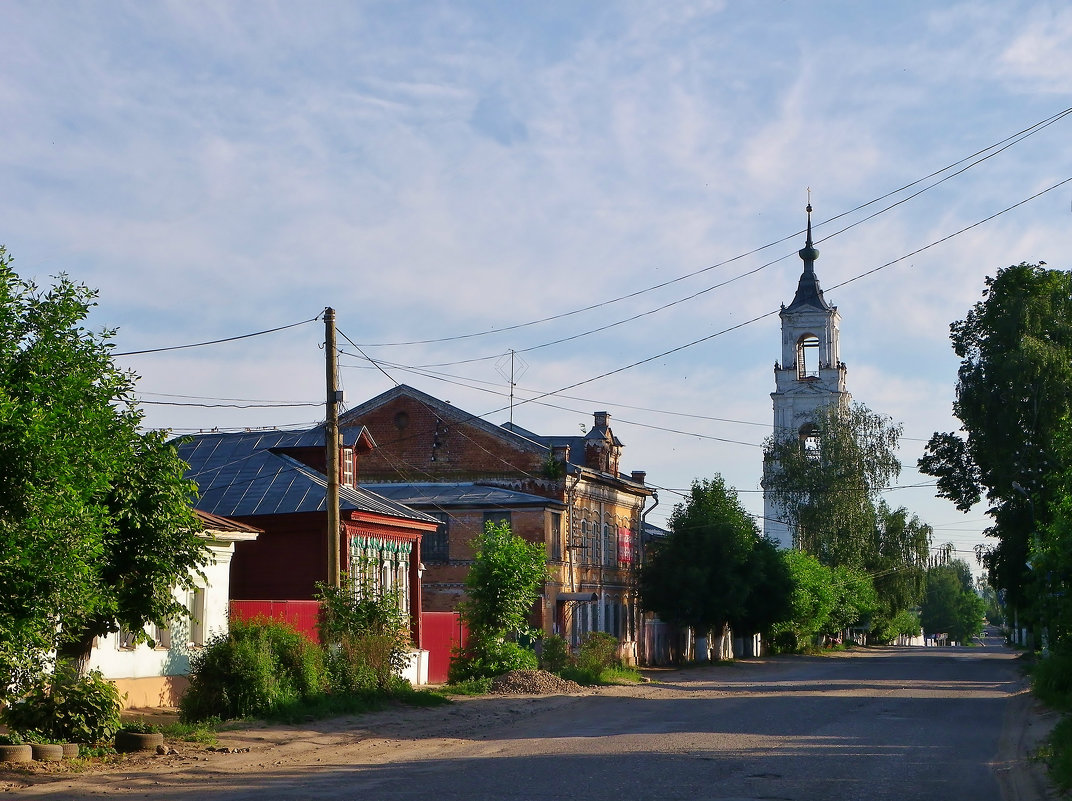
[997,147]
[216,341]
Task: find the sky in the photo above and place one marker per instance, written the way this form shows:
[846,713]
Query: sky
[612,191]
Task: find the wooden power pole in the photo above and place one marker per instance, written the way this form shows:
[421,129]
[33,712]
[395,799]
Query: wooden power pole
[331,447]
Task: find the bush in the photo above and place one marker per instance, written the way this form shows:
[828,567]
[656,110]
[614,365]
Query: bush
[66,707]
[487,657]
[555,654]
[255,668]
[366,635]
[598,651]
[1051,680]
[1059,758]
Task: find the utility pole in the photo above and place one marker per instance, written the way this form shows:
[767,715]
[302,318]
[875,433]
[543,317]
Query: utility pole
[331,447]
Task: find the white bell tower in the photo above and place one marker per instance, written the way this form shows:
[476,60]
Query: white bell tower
[809,376]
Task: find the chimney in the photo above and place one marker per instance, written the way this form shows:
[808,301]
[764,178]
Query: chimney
[639,476]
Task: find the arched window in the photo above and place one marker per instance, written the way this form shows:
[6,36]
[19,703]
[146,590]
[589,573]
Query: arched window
[809,440]
[808,356]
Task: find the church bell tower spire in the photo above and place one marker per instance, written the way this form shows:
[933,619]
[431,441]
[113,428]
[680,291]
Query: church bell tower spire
[809,376]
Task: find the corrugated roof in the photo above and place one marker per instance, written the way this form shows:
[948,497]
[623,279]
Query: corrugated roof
[459,494]
[239,476]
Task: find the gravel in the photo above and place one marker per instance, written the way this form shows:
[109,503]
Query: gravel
[533,682]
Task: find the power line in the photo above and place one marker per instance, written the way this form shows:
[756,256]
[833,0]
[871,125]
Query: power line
[997,147]
[216,341]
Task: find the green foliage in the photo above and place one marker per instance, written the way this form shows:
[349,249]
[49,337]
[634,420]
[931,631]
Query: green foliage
[256,668]
[365,633]
[480,686]
[897,561]
[596,659]
[66,707]
[140,727]
[828,495]
[904,623]
[487,657]
[951,605]
[714,568]
[1059,758]
[813,599]
[599,650]
[855,599]
[1051,679]
[95,519]
[1051,683]
[503,583]
[554,653]
[1014,401]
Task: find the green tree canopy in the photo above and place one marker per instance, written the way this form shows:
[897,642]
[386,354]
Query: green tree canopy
[503,583]
[828,493]
[1014,398]
[951,605]
[96,526]
[714,568]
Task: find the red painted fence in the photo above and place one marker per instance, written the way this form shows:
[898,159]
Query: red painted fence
[302,615]
[441,632]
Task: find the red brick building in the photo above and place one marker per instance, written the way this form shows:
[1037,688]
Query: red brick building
[566,493]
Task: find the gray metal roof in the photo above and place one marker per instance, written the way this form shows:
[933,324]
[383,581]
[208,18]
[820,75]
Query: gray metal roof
[459,494]
[241,475]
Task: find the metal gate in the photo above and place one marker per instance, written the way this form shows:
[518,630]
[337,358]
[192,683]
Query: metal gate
[441,633]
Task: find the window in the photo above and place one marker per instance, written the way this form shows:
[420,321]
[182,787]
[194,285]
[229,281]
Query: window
[436,547]
[162,637]
[556,537]
[809,440]
[347,478]
[610,549]
[125,640]
[496,517]
[808,356]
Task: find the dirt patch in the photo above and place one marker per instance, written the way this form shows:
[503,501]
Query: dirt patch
[533,682]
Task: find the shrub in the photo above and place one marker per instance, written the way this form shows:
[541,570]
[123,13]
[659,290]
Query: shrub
[66,707]
[487,657]
[255,668]
[140,727]
[1051,679]
[598,651]
[366,635]
[555,654]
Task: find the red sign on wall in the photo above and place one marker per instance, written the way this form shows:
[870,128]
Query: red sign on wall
[625,546]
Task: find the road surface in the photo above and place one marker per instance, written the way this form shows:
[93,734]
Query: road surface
[872,724]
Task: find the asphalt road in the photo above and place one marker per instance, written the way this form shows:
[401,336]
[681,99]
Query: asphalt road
[890,723]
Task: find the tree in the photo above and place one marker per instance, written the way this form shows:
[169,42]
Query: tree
[897,559]
[95,518]
[503,583]
[1014,398]
[951,605]
[812,600]
[714,570]
[828,492]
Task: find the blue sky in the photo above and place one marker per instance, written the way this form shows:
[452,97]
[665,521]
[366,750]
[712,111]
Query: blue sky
[433,170]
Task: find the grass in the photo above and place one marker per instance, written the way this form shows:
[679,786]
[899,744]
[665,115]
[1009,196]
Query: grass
[471,687]
[330,706]
[1059,754]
